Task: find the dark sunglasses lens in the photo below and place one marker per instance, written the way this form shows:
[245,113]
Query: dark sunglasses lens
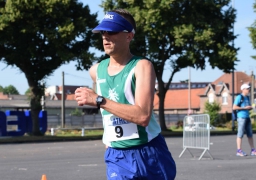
[108,32]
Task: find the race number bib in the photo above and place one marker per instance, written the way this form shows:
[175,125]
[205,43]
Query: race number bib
[118,129]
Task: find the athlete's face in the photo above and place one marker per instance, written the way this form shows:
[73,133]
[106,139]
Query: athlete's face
[116,43]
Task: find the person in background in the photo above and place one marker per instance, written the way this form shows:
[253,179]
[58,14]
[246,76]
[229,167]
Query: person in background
[125,94]
[243,106]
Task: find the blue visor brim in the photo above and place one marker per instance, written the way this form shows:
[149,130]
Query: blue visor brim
[115,23]
[108,26]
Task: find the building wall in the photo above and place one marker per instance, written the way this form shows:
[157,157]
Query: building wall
[224,107]
[3,96]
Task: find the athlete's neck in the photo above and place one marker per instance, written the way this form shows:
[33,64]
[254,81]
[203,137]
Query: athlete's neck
[120,60]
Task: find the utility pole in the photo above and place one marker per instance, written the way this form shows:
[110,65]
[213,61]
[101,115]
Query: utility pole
[63,103]
[43,103]
[189,92]
[233,78]
[252,88]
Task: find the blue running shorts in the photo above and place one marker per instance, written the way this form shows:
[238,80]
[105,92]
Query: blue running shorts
[150,161]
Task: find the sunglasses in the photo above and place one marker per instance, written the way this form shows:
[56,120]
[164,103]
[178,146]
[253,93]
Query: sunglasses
[109,32]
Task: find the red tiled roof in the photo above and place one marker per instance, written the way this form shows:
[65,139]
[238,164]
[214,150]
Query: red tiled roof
[178,99]
[239,79]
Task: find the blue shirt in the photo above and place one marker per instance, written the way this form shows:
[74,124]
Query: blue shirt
[246,102]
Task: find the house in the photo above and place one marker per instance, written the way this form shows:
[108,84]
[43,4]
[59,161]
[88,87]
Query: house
[220,91]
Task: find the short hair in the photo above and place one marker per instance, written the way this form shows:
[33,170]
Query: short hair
[126,15]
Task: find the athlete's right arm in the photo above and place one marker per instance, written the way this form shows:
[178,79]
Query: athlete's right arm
[93,72]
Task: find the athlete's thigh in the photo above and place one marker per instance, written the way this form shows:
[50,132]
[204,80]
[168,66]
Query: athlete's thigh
[121,165]
[156,162]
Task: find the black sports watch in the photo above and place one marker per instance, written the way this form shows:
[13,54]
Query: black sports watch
[99,101]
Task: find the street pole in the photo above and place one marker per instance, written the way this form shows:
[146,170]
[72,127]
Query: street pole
[189,92]
[252,88]
[63,103]
[233,78]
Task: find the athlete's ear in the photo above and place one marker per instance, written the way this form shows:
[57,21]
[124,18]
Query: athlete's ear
[130,36]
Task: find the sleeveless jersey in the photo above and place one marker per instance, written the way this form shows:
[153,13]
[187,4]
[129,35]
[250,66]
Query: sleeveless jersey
[119,133]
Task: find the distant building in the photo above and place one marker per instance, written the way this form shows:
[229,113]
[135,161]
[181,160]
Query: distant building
[53,101]
[184,85]
[220,91]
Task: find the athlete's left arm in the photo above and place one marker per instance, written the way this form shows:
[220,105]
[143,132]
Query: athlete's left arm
[145,87]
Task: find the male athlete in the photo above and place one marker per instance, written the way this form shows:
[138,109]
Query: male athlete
[125,94]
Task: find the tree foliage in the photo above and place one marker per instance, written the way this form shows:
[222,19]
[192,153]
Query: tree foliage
[39,36]
[252,30]
[9,90]
[28,92]
[175,34]
[213,110]
[77,112]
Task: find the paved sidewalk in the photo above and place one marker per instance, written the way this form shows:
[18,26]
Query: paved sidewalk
[225,166]
[84,160]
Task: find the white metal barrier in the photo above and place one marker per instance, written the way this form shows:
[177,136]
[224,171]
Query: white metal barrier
[196,134]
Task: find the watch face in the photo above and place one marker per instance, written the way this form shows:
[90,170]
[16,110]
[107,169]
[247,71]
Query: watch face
[99,99]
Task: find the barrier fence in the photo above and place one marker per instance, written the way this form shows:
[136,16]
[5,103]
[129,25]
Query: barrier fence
[196,134]
[95,120]
[12,122]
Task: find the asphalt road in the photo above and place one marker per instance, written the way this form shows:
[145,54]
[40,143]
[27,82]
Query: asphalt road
[84,160]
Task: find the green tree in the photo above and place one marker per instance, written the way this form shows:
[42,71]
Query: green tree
[28,92]
[76,112]
[39,36]
[10,90]
[175,34]
[1,89]
[213,110]
[252,30]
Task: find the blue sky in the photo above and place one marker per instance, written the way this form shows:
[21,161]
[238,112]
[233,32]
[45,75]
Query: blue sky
[245,18]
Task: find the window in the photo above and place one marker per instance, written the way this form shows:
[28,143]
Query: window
[184,85]
[211,98]
[225,98]
[193,86]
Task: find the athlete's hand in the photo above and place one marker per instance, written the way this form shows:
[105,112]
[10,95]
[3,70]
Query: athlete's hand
[85,96]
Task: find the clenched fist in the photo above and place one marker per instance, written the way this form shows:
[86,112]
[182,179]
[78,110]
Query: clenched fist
[85,96]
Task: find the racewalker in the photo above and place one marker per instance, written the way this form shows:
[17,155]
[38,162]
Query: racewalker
[125,94]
